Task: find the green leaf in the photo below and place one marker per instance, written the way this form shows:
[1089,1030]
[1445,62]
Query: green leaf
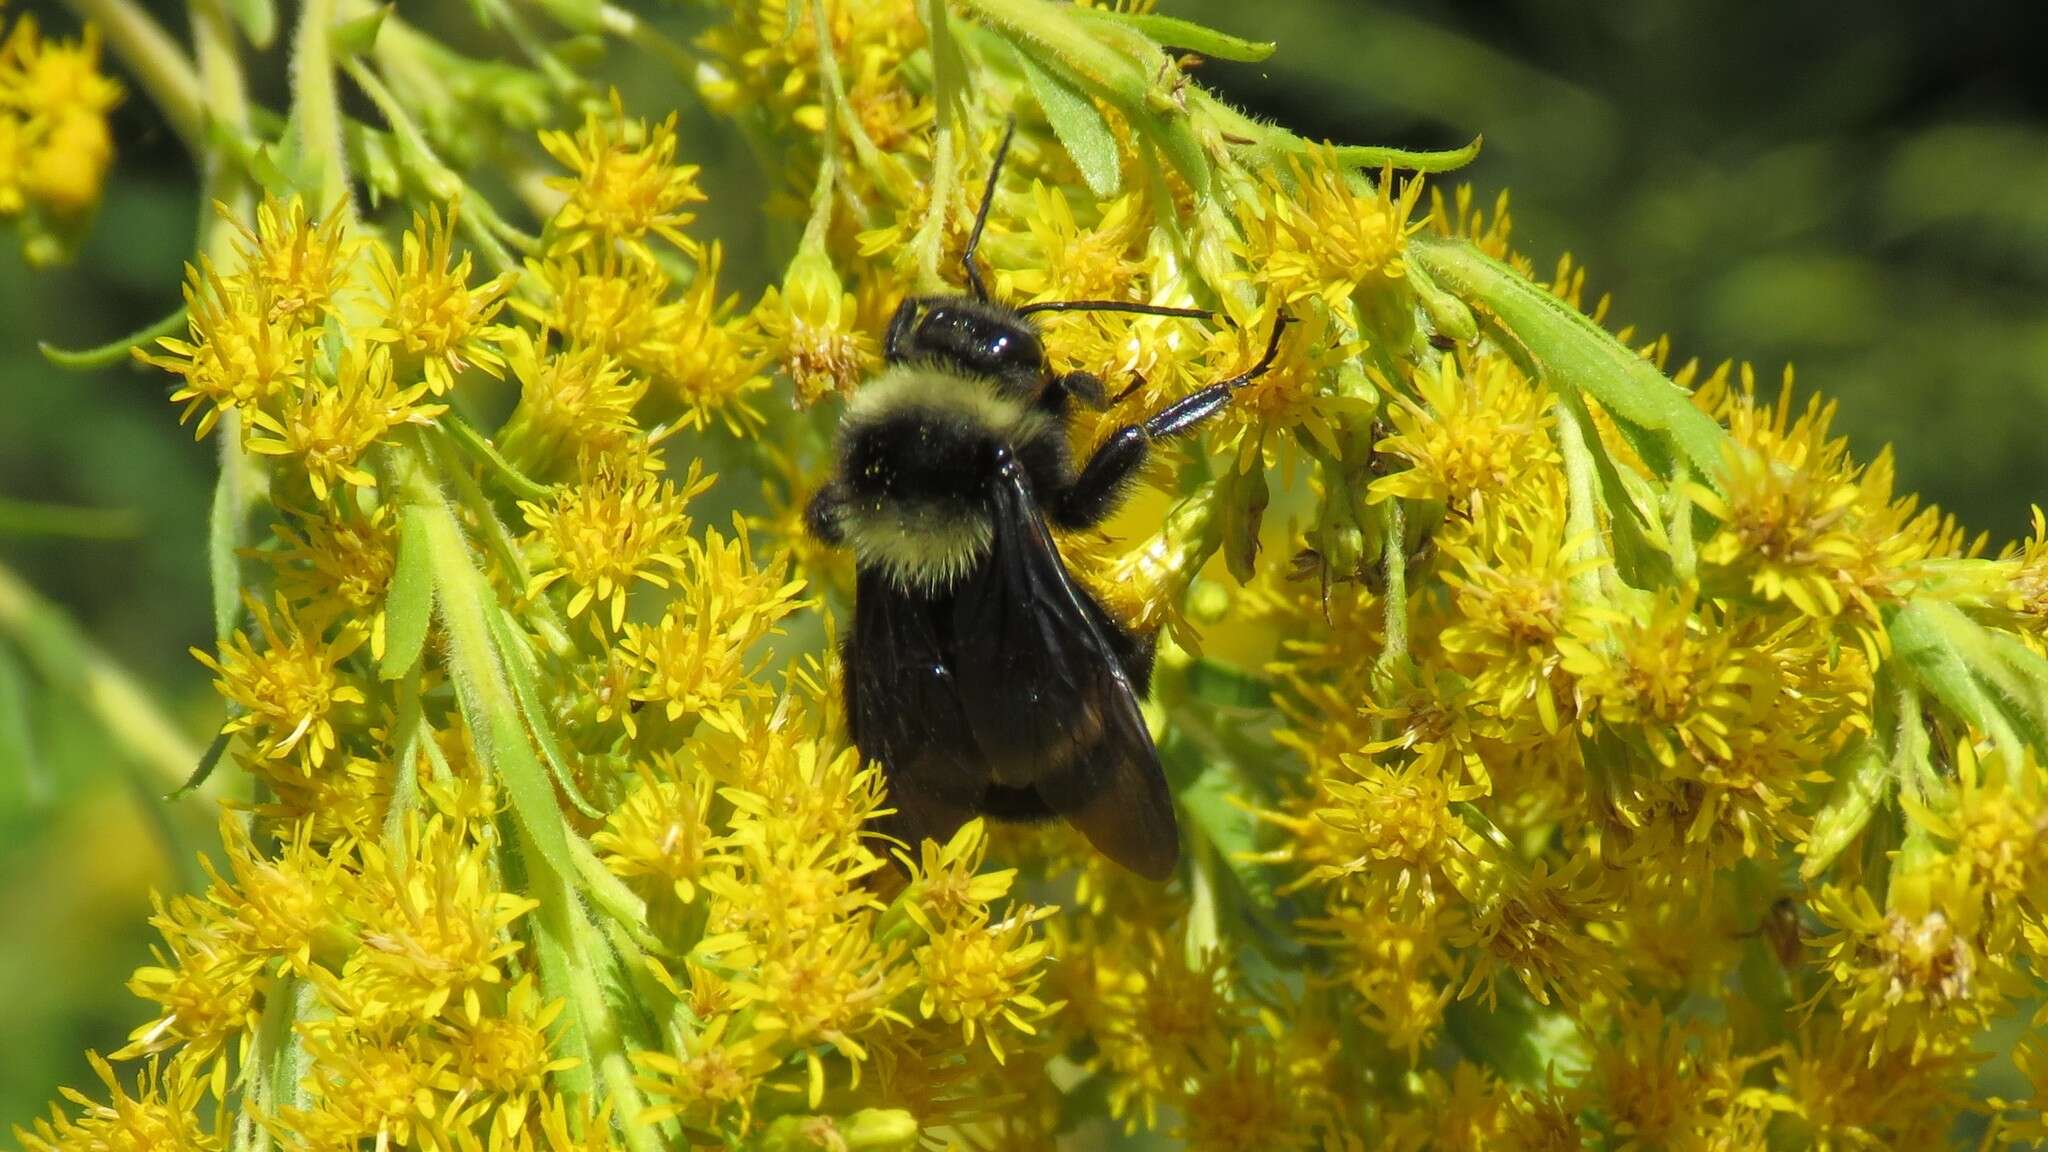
[1245,498]
[1175,137]
[1172,32]
[1446,160]
[226,526]
[208,761]
[409,603]
[1863,779]
[1214,814]
[1056,37]
[258,19]
[525,680]
[488,706]
[1566,345]
[357,36]
[1638,561]
[113,352]
[1080,126]
[1956,659]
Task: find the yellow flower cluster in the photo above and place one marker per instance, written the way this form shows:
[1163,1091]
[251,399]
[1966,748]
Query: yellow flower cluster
[1566,754]
[55,144]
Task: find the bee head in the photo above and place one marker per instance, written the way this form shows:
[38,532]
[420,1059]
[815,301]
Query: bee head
[970,337]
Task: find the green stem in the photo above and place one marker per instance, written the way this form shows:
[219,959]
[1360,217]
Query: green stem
[1394,534]
[1582,495]
[316,107]
[491,711]
[72,663]
[417,159]
[156,62]
[476,445]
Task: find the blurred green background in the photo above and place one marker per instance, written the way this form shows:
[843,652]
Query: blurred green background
[1861,190]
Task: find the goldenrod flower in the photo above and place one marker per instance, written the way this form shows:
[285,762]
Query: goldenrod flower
[297,265]
[163,1113]
[689,663]
[807,328]
[1496,724]
[627,185]
[241,356]
[1319,230]
[55,145]
[708,360]
[326,428]
[663,830]
[287,692]
[575,405]
[427,308]
[1473,432]
[619,526]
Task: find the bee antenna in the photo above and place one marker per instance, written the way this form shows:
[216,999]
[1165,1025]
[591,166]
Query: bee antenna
[1113,306]
[1252,373]
[988,197]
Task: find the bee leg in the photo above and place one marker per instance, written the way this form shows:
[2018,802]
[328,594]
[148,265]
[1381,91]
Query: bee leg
[822,515]
[902,329]
[1094,494]
[1083,386]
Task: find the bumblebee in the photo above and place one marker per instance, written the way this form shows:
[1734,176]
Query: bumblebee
[981,676]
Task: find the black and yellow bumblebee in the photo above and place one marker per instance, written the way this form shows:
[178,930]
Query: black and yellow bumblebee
[980,675]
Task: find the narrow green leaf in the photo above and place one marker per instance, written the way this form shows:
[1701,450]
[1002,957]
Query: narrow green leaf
[1175,137]
[1638,561]
[1567,345]
[488,706]
[409,604]
[226,525]
[2020,677]
[1245,498]
[1057,37]
[1446,160]
[1939,645]
[258,19]
[1214,815]
[113,352]
[1080,126]
[525,681]
[356,36]
[1863,779]
[208,761]
[479,446]
[1172,32]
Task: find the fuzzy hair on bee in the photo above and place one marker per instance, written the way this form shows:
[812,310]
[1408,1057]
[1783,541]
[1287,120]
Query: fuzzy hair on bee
[978,673]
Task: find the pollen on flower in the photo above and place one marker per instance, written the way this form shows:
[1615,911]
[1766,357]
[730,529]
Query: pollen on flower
[161,1112]
[627,185]
[1474,431]
[289,690]
[619,526]
[806,328]
[427,309]
[1320,230]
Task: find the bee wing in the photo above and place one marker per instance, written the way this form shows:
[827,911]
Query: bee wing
[904,709]
[1049,697]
